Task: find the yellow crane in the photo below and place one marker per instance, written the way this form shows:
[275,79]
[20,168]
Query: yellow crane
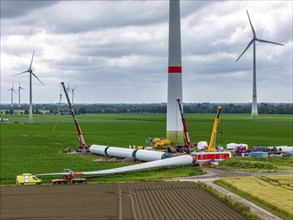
[212,144]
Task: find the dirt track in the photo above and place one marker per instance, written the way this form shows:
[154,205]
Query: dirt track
[167,200]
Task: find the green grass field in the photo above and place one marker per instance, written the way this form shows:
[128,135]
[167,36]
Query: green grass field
[36,148]
[257,164]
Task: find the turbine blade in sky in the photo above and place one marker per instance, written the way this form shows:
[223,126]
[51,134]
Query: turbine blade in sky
[245,49]
[265,41]
[251,25]
[32,59]
[21,73]
[37,78]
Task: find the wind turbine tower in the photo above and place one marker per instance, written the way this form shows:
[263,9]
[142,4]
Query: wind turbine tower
[174,125]
[254,110]
[30,71]
[19,88]
[11,94]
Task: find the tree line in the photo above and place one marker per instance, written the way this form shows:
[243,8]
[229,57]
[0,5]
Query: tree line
[263,108]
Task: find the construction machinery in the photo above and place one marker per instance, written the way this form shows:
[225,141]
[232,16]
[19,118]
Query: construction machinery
[69,178]
[212,145]
[188,145]
[161,144]
[83,146]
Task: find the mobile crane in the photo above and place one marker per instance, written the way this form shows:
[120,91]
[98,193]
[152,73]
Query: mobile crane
[212,145]
[188,145]
[83,146]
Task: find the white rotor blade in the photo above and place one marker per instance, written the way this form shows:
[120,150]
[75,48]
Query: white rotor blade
[251,25]
[32,59]
[270,42]
[21,73]
[245,49]
[52,174]
[37,78]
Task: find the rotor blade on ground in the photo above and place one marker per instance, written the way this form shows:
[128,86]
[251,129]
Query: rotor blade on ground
[251,25]
[245,49]
[37,78]
[32,59]
[52,174]
[266,41]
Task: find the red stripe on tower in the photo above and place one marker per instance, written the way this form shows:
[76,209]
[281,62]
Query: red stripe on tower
[174,69]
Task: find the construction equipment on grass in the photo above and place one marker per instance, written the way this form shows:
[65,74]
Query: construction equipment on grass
[161,144]
[188,145]
[83,146]
[68,177]
[212,145]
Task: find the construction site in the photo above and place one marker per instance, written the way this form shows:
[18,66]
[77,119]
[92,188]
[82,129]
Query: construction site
[44,191]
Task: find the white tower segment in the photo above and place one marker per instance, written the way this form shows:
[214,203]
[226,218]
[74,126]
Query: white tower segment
[174,124]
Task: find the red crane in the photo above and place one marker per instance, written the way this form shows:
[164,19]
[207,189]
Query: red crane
[185,130]
[83,145]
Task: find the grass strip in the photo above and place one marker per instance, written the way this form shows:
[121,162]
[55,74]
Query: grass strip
[238,207]
[262,203]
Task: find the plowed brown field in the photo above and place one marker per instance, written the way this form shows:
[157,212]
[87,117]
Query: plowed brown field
[166,200]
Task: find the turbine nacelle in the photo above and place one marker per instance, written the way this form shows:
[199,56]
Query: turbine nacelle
[12,88]
[30,70]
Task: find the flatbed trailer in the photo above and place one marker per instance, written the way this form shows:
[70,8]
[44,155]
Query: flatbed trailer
[69,178]
[66,181]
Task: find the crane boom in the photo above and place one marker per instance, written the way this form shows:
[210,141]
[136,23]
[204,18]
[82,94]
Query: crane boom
[212,144]
[185,130]
[83,145]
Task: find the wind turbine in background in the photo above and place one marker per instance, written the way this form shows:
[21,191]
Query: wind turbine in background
[72,92]
[19,88]
[30,71]
[11,94]
[254,111]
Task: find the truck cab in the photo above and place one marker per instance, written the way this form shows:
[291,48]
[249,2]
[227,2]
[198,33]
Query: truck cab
[27,179]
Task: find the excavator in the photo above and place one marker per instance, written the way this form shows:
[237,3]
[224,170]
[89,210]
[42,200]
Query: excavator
[212,145]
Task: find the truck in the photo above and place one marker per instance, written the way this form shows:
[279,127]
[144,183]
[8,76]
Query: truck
[69,178]
[27,179]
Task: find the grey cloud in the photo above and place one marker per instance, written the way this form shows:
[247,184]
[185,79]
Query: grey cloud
[12,9]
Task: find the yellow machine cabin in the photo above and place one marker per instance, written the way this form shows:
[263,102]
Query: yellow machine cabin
[27,179]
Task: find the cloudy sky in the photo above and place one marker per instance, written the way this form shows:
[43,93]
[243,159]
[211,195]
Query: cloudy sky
[117,51]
